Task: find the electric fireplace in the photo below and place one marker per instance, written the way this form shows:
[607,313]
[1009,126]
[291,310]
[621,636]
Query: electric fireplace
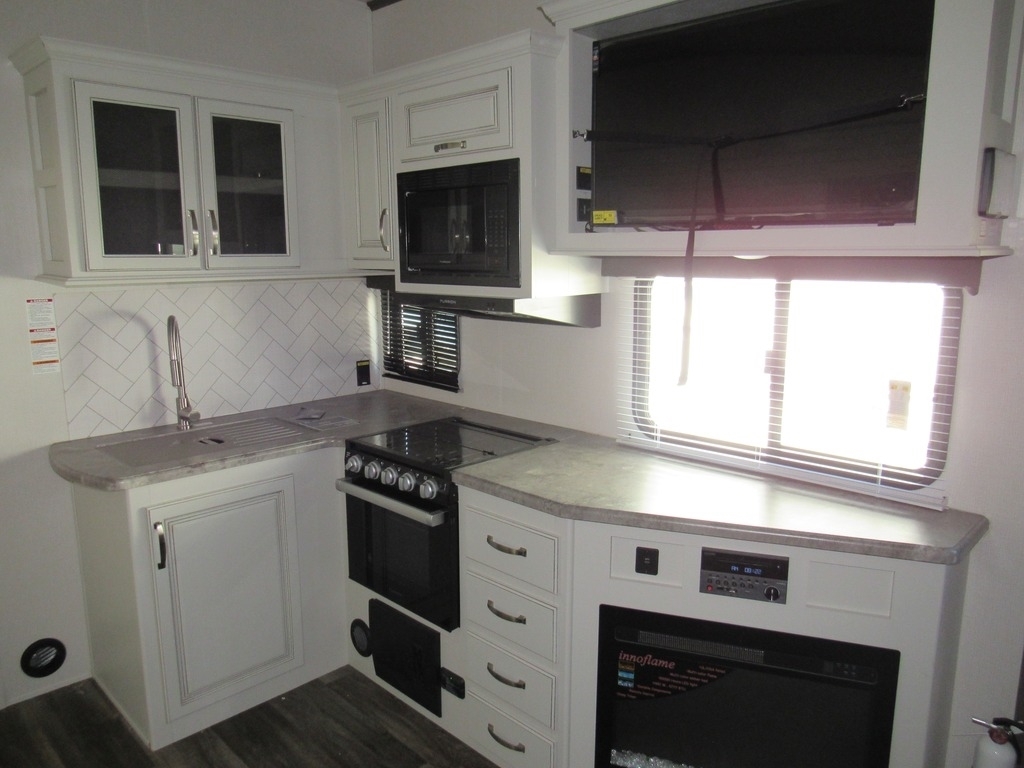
[675,692]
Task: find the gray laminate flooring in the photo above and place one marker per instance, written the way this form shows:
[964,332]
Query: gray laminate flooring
[342,719]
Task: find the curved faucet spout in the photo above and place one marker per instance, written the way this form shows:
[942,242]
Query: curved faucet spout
[186,413]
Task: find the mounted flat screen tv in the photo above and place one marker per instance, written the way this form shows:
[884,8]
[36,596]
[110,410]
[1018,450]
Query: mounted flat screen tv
[788,113]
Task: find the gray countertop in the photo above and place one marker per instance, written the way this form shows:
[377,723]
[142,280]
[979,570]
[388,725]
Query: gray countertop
[581,477]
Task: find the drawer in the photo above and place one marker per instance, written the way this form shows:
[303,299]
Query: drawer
[522,553]
[523,686]
[471,114]
[515,617]
[504,740]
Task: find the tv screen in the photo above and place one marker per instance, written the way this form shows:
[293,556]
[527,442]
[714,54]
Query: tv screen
[801,112]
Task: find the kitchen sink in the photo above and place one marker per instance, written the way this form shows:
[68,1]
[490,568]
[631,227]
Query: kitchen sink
[203,440]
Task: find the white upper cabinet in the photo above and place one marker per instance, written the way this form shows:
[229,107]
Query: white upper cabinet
[369,220]
[971,104]
[153,169]
[466,115]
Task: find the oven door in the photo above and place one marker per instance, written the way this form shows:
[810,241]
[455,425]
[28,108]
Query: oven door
[406,553]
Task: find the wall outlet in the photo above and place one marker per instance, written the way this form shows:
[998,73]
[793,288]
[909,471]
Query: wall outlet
[362,372]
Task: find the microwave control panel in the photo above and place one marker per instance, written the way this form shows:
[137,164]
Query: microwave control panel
[744,574]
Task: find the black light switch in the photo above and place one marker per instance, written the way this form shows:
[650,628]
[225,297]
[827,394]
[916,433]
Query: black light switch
[647,561]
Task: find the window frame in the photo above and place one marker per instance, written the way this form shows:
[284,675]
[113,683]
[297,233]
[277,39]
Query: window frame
[773,457]
[419,345]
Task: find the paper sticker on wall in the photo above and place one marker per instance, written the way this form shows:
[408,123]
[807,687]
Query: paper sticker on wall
[42,335]
[899,404]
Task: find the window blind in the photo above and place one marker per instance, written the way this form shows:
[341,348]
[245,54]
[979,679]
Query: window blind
[767,389]
[419,345]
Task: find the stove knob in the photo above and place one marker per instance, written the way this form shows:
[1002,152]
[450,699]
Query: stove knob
[372,470]
[429,489]
[354,464]
[407,482]
[772,594]
[389,476]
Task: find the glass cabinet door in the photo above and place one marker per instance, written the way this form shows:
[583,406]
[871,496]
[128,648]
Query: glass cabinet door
[248,185]
[138,178]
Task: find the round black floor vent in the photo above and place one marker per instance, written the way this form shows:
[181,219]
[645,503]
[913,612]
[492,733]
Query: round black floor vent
[43,657]
[360,634]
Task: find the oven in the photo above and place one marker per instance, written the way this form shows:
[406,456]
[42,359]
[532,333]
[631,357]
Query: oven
[402,515]
[403,535]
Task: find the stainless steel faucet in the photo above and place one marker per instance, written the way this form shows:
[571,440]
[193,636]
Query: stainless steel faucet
[187,415]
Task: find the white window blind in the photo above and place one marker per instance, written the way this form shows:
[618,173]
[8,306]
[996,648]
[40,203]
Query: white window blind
[844,383]
[419,345]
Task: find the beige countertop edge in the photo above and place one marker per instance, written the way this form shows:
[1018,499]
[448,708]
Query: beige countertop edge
[106,478]
[940,553]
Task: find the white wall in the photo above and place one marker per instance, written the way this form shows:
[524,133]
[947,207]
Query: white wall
[565,376]
[321,40]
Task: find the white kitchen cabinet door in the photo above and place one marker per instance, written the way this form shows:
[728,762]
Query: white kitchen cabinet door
[370,224]
[227,591]
[457,117]
[247,157]
[139,171]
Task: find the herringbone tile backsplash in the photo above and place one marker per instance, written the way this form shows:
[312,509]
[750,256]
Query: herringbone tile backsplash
[245,346]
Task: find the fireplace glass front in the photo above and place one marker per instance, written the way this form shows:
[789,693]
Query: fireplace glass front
[674,692]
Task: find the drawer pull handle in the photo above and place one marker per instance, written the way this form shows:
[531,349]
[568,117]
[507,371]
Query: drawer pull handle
[505,680]
[506,744]
[449,145]
[504,548]
[505,616]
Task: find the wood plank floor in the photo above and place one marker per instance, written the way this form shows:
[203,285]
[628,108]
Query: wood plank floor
[342,719]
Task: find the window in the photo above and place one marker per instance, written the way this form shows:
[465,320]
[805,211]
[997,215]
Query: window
[847,383]
[420,345]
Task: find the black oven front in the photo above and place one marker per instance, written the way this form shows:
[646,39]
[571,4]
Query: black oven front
[405,547]
[685,693]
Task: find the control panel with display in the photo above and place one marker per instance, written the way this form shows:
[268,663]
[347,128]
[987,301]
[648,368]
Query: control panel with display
[744,574]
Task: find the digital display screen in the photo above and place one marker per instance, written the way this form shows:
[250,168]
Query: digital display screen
[747,570]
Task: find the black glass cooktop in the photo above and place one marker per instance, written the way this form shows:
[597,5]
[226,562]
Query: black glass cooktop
[445,444]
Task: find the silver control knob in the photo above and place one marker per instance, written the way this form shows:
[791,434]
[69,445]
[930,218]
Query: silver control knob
[372,470]
[407,482]
[389,476]
[429,489]
[354,464]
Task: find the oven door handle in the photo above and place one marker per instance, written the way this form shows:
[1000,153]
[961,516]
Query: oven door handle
[429,519]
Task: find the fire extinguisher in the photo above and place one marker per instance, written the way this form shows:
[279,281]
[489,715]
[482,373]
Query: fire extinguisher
[998,748]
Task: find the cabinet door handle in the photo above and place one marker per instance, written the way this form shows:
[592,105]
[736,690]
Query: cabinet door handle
[162,543]
[380,229]
[194,250]
[505,680]
[520,619]
[504,548]
[450,145]
[214,234]
[520,747]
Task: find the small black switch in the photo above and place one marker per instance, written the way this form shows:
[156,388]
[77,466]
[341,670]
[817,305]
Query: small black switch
[362,373]
[453,683]
[647,561]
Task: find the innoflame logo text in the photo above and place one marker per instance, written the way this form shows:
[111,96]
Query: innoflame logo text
[646,660]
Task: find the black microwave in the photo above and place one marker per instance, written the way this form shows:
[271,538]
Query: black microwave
[459,225]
